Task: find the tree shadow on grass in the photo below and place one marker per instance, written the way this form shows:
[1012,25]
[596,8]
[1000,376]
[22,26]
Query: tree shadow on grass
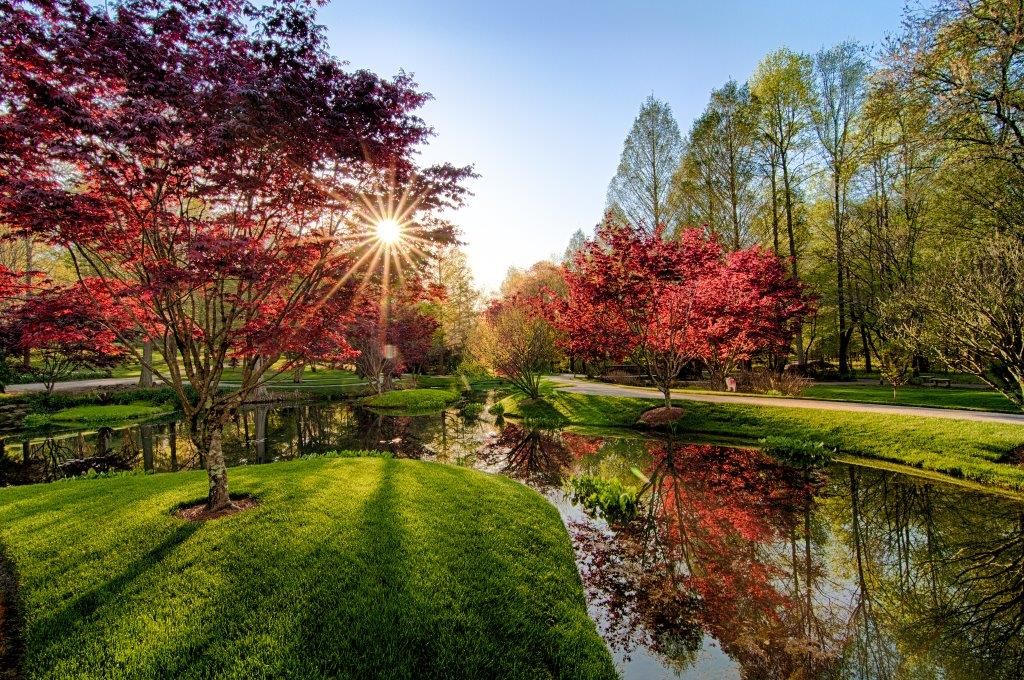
[365,619]
[62,626]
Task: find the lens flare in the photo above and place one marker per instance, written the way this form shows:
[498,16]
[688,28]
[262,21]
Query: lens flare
[388,231]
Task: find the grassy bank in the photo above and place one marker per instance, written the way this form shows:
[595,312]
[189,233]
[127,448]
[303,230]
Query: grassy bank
[411,401]
[975,399]
[365,567]
[962,449]
[94,416]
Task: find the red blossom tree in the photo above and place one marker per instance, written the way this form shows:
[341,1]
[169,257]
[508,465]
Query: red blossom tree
[749,305]
[68,328]
[212,164]
[664,304]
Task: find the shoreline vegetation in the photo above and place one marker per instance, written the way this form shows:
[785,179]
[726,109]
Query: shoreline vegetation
[984,453]
[436,571]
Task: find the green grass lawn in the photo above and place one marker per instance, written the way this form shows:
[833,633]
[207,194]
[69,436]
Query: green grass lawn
[941,397]
[348,567]
[961,449]
[411,401]
[94,415]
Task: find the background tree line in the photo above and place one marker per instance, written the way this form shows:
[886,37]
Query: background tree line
[891,180]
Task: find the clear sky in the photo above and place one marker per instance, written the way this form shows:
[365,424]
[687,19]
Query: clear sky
[540,95]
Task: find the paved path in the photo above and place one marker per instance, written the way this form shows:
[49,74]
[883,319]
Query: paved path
[72,385]
[569,383]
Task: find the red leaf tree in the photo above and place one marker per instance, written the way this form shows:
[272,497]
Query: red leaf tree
[68,328]
[211,163]
[663,304]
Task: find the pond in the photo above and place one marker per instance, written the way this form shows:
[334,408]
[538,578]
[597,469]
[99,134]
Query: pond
[729,565]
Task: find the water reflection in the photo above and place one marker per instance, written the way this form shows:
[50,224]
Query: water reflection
[733,565]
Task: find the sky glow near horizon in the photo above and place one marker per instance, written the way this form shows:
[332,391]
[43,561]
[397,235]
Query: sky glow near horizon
[540,96]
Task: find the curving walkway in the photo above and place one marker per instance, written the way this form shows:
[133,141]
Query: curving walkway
[72,385]
[569,383]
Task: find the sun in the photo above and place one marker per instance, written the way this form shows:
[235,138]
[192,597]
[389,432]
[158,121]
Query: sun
[388,231]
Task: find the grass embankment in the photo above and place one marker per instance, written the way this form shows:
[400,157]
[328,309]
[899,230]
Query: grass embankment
[86,416]
[366,567]
[412,401]
[961,449]
[975,399]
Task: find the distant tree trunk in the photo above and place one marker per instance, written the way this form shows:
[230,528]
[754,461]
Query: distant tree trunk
[775,209]
[260,392]
[146,438]
[26,355]
[146,377]
[172,444]
[801,356]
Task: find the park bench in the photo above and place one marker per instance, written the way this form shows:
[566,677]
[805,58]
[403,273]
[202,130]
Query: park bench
[935,381]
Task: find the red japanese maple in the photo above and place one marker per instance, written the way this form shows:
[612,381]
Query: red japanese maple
[68,328]
[664,304]
[209,162]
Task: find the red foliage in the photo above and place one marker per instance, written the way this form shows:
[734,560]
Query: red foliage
[210,161]
[68,328]
[664,303]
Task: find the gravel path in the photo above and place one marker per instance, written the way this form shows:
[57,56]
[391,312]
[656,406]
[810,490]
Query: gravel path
[569,383]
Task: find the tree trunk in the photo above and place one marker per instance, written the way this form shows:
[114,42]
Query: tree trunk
[146,439]
[844,333]
[260,393]
[801,357]
[146,377]
[207,430]
[775,212]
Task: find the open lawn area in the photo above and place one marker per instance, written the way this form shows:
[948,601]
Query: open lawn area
[348,567]
[940,397]
[976,451]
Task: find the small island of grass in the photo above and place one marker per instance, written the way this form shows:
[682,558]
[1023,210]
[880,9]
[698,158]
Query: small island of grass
[95,415]
[412,401]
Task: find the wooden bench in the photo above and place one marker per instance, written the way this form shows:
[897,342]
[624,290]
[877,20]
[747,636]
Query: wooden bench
[935,381]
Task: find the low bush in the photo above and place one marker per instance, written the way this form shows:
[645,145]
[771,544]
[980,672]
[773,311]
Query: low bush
[606,498]
[797,452]
[766,381]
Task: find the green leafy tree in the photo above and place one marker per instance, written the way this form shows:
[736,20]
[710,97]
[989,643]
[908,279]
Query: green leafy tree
[643,182]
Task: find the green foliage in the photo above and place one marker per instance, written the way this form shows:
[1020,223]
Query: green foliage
[498,409]
[607,498]
[797,452]
[356,568]
[472,410]
[412,400]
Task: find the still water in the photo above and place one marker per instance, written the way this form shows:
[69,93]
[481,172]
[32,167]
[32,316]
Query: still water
[733,566]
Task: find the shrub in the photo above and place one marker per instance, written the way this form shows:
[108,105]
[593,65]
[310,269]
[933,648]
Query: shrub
[622,378]
[607,498]
[797,452]
[766,381]
[472,410]
[498,409]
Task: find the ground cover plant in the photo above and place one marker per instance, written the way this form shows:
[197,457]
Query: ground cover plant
[976,451]
[346,567]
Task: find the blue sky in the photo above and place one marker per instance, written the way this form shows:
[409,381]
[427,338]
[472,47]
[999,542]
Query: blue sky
[540,95]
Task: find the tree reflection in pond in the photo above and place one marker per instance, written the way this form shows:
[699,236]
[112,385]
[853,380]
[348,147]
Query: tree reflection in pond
[854,573]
